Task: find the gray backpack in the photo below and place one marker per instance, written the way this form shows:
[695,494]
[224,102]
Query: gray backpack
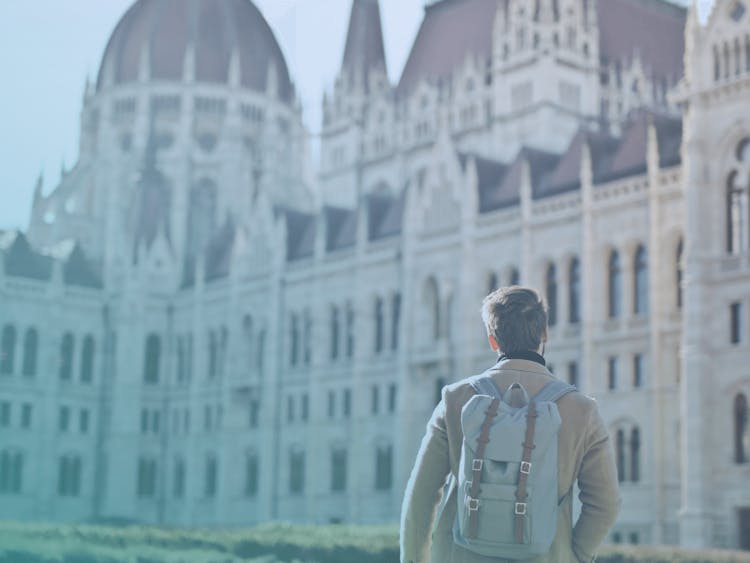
[507,478]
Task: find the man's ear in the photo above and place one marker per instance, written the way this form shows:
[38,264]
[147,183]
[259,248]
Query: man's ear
[493,343]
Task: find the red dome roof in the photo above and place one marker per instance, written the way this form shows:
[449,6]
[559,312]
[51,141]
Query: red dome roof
[215,29]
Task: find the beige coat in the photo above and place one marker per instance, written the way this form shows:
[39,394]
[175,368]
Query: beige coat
[584,453]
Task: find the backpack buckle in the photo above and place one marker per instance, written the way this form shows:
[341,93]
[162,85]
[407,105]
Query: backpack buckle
[477,464]
[473,504]
[520,509]
[525,467]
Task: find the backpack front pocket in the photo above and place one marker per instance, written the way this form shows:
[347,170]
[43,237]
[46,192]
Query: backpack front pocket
[496,513]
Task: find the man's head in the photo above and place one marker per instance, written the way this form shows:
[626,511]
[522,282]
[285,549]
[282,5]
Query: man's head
[515,318]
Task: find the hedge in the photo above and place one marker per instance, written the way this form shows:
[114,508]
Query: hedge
[270,543]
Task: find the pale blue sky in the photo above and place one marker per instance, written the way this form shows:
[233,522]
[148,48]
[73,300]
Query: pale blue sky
[48,47]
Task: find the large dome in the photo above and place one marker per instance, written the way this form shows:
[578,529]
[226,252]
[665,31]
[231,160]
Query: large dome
[163,30]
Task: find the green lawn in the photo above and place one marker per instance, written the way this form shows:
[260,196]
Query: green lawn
[272,543]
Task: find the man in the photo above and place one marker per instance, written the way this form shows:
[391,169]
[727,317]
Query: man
[516,322]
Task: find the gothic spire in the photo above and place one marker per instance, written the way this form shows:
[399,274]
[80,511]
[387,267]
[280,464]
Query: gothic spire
[364,50]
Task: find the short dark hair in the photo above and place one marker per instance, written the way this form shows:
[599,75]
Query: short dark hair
[517,318]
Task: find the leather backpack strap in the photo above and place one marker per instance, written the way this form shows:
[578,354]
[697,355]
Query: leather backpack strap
[476,467]
[520,506]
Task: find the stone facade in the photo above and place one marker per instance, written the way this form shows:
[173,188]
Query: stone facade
[234,340]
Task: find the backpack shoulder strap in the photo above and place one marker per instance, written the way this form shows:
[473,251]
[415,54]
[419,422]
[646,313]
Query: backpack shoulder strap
[553,391]
[485,385]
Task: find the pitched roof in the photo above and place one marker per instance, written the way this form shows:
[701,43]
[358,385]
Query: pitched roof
[22,260]
[451,31]
[341,228]
[653,29]
[300,234]
[490,174]
[629,157]
[364,50]
[385,215]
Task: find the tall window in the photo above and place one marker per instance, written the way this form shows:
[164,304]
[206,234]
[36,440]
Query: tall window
[251,475]
[211,475]
[737,201]
[248,337]
[146,482]
[4,414]
[392,397]
[7,349]
[379,325]
[294,339]
[491,282]
[395,320]
[338,469]
[334,332]
[620,454]
[347,408]
[637,370]
[432,305]
[383,467]
[254,413]
[573,373]
[574,291]
[331,404]
[635,455]
[178,485]
[152,359]
[296,472]
[349,331]
[515,277]
[201,216]
[69,476]
[612,373]
[375,399]
[261,350]
[87,359]
[30,345]
[679,273]
[213,353]
[614,285]
[11,472]
[735,323]
[741,431]
[551,282]
[222,355]
[66,357]
[640,288]
[307,338]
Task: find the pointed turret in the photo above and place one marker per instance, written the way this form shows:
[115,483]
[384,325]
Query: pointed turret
[364,52]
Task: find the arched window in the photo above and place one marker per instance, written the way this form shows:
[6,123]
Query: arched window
[152,359]
[334,332]
[679,274]
[180,353]
[201,216]
[222,355]
[432,306]
[7,349]
[66,357]
[69,476]
[383,468]
[614,285]
[379,325]
[251,475]
[635,455]
[146,479]
[551,279]
[717,64]
[574,292]
[640,287]
[211,476]
[30,345]
[248,341]
[737,202]
[87,359]
[307,339]
[620,454]
[741,431]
